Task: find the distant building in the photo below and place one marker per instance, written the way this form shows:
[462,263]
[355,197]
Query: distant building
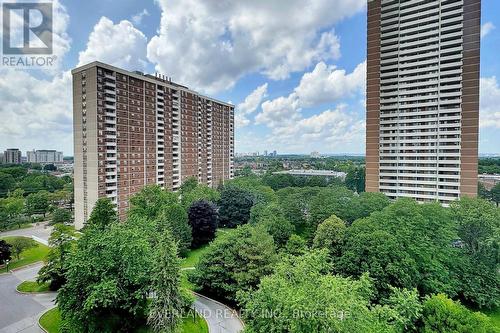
[310,173]
[274,154]
[265,152]
[1,158]
[315,154]
[489,181]
[44,156]
[12,156]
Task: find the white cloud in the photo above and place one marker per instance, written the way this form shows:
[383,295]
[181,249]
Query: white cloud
[210,44]
[137,18]
[249,105]
[486,28]
[489,115]
[327,83]
[120,44]
[37,113]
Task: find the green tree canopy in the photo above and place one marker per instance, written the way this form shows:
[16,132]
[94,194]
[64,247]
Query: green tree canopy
[301,297]
[108,280]
[234,206]
[103,215]
[235,260]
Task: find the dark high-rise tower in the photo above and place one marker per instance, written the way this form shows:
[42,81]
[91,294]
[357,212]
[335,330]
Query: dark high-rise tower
[423,98]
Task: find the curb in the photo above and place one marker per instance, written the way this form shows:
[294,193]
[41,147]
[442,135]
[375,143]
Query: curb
[221,304]
[10,271]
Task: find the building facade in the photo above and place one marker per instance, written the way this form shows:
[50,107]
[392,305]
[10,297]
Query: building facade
[133,130]
[423,98]
[44,156]
[12,156]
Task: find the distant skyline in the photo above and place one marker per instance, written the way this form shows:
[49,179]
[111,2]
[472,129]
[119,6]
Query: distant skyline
[297,87]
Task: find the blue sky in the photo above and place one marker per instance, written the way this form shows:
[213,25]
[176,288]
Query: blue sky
[294,69]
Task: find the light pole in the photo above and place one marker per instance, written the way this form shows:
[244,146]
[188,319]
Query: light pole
[7,262]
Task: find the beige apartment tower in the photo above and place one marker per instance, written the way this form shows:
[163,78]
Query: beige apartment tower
[132,129]
[423,98]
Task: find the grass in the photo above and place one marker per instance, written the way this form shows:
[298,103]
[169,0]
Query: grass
[29,256]
[193,257]
[494,315]
[33,287]
[51,322]
[17,227]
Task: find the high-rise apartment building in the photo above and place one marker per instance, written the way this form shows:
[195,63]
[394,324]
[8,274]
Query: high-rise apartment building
[12,156]
[133,129]
[423,98]
[44,156]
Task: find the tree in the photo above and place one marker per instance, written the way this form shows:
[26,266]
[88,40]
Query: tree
[301,297]
[50,167]
[235,260]
[483,192]
[355,179]
[175,219]
[150,201]
[406,245]
[369,202]
[188,185]
[495,194]
[20,244]
[234,206]
[7,183]
[339,201]
[12,208]
[108,280]
[296,246]
[5,251]
[296,205]
[203,220]
[165,311]
[441,314]
[37,203]
[478,224]
[271,217]
[330,235]
[200,192]
[103,215]
[278,181]
[61,215]
[61,242]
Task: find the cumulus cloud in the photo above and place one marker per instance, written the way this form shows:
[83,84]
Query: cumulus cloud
[489,115]
[210,44]
[36,108]
[249,105]
[137,18]
[486,28]
[118,44]
[325,84]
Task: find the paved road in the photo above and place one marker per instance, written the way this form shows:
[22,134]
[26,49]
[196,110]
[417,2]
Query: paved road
[18,312]
[42,231]
[220,318]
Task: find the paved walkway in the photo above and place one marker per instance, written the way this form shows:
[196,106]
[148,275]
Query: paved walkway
[19,312]
[42,230]
[220,318]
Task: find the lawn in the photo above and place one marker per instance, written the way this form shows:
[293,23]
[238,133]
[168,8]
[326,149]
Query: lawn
[33,287]
[29,256]
[494,316]
[51,321]
[193,257]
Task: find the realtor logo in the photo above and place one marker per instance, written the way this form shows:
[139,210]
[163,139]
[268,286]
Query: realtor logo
[27,28]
